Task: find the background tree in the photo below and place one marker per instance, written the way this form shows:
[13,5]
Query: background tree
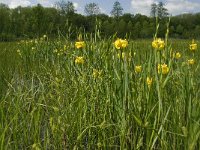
[127,17]
[33,22]
[70,9]
[65,8]
[92,9]
[130,26]
[117,10]
[121,28]
[137,30]
[107,28]
[154,10]
[39,20]
[5,21]
[180,29]
[197,31]
[161,10]
[146,30]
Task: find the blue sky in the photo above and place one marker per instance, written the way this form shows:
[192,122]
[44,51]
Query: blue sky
[130,6]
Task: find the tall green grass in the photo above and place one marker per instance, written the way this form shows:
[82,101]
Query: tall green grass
[49,102]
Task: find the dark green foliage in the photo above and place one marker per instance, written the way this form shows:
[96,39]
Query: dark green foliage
[33,22]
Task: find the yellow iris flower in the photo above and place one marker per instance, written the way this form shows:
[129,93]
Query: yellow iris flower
[158,44]
[149,81]
[119,43]
[177,55]
[79,60]
[164,69]
[193,46]
[138,69]
[80,44]
[191,61]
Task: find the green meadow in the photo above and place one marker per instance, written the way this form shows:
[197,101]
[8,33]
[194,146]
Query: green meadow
[49,100]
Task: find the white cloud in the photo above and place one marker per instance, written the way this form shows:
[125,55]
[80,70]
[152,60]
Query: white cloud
[142,6]
[15,3]
[102,10]
[174,6]
[181,6]
[75,5]
[78,8]
[44,2]
[23,3]
[3,1]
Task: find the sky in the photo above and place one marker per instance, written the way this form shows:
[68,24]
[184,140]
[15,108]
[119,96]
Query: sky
[174,7]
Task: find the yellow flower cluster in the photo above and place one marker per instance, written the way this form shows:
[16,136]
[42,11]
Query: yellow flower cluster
[149,81]
[164,69]
[158,44]
[80,44]
[191,61]
[119,43]
[177,55]
[79,60]
[138,69]
[193,46]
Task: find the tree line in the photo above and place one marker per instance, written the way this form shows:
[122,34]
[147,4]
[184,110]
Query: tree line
[32,22]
